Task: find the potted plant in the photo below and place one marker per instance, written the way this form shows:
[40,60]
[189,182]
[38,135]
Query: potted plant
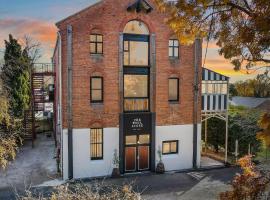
[115,171]
[160,169]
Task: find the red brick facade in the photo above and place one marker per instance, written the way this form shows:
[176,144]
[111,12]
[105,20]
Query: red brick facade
[109,18]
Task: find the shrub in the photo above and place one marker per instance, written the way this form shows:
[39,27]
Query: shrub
[83,192]
[250,185]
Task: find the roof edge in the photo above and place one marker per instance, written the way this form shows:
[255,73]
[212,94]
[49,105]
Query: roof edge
[80,11]
[216,72]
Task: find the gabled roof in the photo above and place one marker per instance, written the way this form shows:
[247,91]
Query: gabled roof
[139,6]
[249,102]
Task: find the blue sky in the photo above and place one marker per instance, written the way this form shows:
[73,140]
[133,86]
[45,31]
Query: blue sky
[36,18]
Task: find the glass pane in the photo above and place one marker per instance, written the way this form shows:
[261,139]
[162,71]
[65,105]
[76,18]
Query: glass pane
[96,95]
[144,139]
[170,42]
[99,47]
[126,45]
[126,58]
[93,38]
[92,48]
[224,88]
[176,53]
[99,38]
[173,147]
[99,150]
[136,104]
[135,85]
[96,83]
[176,44]
[173,89]
[138,53]
[136,27]
[132,139]
[203,88]
[170,51]
[166,148]
[99,136]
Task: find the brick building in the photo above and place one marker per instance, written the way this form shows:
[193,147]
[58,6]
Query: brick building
[125,84]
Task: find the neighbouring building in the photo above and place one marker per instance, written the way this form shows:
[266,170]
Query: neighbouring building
[124,84]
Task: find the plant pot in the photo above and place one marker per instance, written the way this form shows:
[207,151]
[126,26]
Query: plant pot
[160,169]
[115,173]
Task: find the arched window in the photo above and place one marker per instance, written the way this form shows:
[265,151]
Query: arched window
[136,27]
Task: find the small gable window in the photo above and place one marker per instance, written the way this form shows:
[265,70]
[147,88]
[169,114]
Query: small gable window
[173,48]
[96,44]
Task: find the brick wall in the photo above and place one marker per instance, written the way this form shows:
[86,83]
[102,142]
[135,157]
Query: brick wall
[109,18]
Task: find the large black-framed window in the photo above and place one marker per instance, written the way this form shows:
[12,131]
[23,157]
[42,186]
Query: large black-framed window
[173,89]
[173,48]
[170,147]
[96,89]
[96,144]
[96,44]
[136,89]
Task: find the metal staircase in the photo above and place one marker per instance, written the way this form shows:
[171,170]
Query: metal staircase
[38,74]
[38,92]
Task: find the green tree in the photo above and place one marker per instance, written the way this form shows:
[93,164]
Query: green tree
[241,28]
[232,91]
[16,77]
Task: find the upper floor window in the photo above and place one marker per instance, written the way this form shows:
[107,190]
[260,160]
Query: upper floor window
[173,48]
[96,44]
[96,87]
[173,89]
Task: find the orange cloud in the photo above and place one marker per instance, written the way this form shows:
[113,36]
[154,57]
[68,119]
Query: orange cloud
[40,31]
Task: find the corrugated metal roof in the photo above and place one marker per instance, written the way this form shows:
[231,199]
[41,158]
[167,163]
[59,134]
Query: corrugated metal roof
[249,102]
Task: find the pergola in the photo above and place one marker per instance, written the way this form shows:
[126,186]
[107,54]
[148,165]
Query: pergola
[215,89]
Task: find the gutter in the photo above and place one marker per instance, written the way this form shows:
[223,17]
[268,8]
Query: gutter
[69,101]
[197,56]
[59,106]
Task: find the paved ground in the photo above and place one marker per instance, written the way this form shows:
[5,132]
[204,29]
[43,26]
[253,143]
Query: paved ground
[209,162]
[31,166]
[199,185]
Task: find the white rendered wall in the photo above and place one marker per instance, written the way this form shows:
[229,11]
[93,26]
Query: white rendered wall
[83,166]
[184,134]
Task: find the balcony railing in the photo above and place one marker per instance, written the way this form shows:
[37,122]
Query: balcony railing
[43,68]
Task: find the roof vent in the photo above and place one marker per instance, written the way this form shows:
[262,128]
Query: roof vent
[140,6]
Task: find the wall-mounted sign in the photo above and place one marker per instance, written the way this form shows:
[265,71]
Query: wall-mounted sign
[137,123]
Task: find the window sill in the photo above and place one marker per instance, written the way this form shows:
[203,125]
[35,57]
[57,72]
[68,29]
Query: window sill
[97,104]
[96,56]
[174,102]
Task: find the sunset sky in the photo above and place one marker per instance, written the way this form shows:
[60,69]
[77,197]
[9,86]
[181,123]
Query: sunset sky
[36,19]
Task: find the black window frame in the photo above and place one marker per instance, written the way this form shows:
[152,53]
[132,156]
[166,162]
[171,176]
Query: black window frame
[178,87]
[96,44]
[92,89]
[137,71]
[173,49]
[96,143]
[171,141]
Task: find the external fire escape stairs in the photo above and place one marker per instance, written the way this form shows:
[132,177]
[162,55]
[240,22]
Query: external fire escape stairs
[38,98]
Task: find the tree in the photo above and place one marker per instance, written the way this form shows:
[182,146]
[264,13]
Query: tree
[232,91]
[243,126]
[241,28]
[258,87]
[264,134]
[16,76]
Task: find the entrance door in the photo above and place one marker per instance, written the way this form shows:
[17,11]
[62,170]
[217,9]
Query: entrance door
[137,153]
